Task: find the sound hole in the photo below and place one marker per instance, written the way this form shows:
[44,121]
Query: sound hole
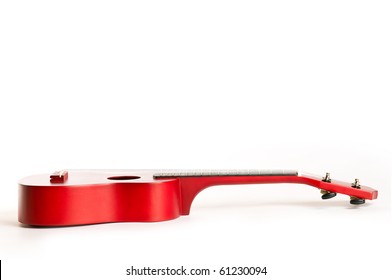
[124,177]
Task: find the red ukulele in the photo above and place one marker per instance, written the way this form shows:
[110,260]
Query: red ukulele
[80,197]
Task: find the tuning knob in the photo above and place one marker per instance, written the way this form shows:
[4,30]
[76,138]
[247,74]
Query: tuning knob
[353,199]
[356,201]
[327,194]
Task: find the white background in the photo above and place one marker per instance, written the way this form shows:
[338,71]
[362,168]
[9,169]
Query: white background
[201,84]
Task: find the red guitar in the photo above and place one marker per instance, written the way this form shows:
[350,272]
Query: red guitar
[100,196]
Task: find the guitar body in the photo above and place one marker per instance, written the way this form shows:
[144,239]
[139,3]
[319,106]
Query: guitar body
[101,196]
[88,197]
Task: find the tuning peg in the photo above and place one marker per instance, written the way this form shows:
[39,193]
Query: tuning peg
[327,178]
[356,201]
[327,194]
[353,199]
[356,184]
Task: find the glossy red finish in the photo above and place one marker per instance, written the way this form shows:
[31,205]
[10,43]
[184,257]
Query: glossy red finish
[99,196]
[191,186]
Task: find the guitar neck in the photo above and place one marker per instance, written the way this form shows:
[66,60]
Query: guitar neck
[194,181]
